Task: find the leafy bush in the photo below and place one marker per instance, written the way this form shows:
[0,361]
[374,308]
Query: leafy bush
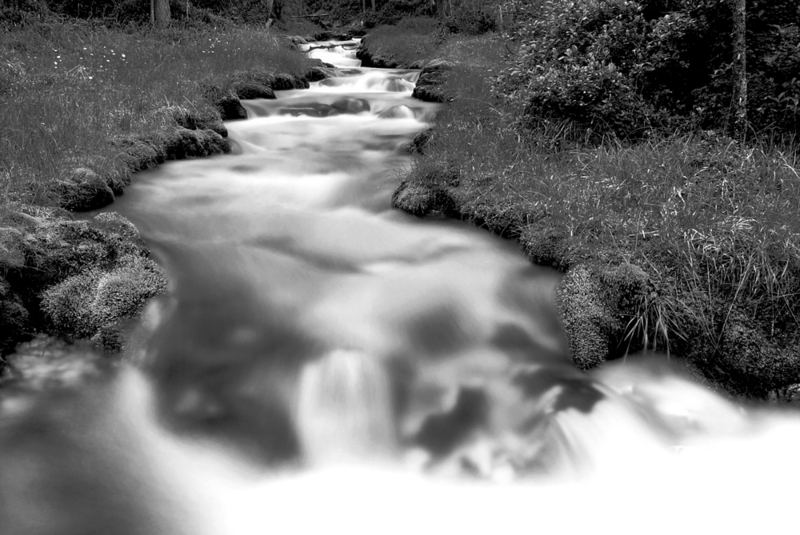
[596,98]
[669,58]
[471,20]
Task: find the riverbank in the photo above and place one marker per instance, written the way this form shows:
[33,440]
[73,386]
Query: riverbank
[84,108]
[685,244]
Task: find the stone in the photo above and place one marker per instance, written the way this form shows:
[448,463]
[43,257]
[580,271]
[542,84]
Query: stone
[253,90]
[84,190]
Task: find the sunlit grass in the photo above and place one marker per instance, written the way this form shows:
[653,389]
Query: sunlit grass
[67,89]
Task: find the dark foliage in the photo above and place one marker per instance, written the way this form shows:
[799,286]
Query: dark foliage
[621,67]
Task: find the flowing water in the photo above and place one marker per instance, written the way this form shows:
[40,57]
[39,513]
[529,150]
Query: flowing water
[326,364]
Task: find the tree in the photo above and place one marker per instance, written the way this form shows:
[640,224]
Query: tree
[739,68]
[159,13]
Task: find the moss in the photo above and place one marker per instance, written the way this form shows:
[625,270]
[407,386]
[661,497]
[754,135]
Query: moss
[505,222]
[547,246]
[283,81]
[315,74]
[420,141]
[139,153]
[423,200]
[251,90]
[585,317]
[430,82]
[95,304]
[192,120]
[84,190]
[65,305]
[750,359]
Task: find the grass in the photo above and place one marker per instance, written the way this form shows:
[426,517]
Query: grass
[69,88]
[714,224]
[409,41]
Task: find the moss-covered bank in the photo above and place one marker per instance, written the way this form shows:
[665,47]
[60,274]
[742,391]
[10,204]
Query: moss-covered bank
[81,278]
[684,245]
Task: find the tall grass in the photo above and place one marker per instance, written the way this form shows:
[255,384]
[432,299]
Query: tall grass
[67,88]
[715,224]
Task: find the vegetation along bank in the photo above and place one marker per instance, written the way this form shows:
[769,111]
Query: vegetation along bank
[88,98]
[613,141]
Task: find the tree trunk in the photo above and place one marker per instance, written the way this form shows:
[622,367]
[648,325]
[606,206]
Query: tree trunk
[739,68]
[373,5]
[159,13]
[268,5]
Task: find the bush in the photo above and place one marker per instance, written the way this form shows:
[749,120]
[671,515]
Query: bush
[670,59]
[596,98]
[471,20]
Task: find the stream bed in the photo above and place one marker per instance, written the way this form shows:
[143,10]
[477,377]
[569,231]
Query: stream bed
[324,363]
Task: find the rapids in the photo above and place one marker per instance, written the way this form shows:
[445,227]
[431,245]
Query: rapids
[324,363]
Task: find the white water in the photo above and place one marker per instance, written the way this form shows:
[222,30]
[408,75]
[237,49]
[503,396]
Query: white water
[326,364]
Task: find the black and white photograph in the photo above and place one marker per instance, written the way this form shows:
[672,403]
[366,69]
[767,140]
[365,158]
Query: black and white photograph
[399,267]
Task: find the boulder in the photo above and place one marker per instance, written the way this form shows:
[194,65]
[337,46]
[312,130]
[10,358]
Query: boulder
[598,306]
[585,317]
[315,74]
[230,108]
[139,153]
[253,90]
[283,81]
[84,190]
[431,79]
[95,303]
[196,120]
[423,200]
[375,58]
[751,359]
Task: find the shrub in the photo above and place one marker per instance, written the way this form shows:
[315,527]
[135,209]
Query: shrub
[673,56]
[596,98]
[471,20]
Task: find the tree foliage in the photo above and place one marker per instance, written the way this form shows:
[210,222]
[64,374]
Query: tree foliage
[621,66]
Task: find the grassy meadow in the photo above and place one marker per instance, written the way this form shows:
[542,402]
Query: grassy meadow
[84,104]
[69,89]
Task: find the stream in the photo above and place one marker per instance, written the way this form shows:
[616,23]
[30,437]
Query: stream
[324,363]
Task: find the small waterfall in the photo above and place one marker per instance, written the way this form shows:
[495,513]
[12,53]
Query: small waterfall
[344,409]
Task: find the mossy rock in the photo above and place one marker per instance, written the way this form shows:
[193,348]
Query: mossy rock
[193,120]
[139,153]
[431,80]
[503,221]
[253,90]
[596,305]
[95,303]
[423,200]
[230,108]
[420,141]
[750,359]
[317,73]
[375,58]
[585,317]
[546,246]
[57,248]
[84,190]
[181,143]
[284,81]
